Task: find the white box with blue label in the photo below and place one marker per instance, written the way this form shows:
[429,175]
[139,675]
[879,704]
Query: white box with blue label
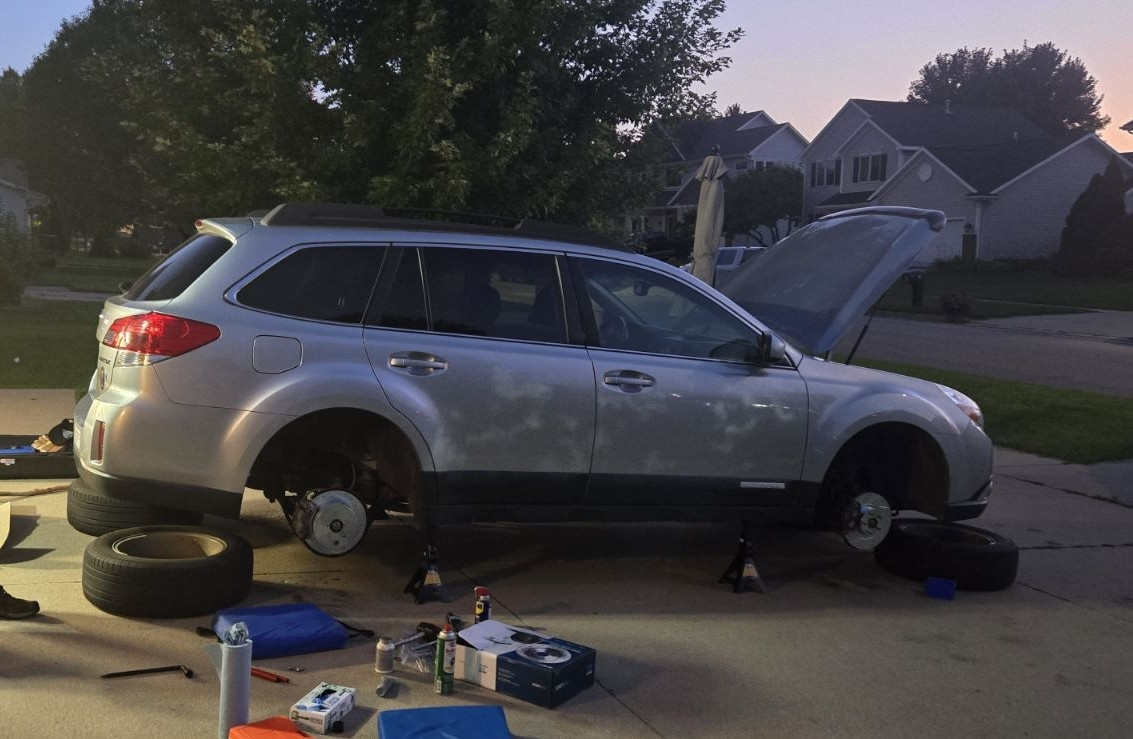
[528,665]
[320,709]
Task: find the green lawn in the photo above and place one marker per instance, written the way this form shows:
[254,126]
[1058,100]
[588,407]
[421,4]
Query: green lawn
[90,274]
[999,293]
[1071,425]
[53,341]
[1034,286]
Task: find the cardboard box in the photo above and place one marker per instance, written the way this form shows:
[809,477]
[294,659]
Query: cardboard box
[534,667]
[322,707]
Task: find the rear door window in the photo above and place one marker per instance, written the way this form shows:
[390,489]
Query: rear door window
[168,278]
[495,293]
[323,283]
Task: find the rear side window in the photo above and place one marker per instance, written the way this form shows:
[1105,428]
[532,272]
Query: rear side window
[323,283]
[478,292]
[168,278]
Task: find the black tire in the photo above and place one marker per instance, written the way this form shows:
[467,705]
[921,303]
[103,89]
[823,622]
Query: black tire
[166,571]
[976,559]
[97,515]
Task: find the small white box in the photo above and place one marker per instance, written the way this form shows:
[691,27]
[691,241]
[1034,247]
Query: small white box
[322,707]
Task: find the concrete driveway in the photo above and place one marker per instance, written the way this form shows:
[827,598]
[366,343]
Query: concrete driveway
[838,647]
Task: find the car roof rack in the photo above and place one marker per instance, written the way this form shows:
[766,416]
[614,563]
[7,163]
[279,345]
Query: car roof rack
[369,216]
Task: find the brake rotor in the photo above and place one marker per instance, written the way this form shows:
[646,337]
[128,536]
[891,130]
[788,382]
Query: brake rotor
[330,522]
[866,521]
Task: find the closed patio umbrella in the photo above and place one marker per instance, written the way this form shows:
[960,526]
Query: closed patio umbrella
[709,217]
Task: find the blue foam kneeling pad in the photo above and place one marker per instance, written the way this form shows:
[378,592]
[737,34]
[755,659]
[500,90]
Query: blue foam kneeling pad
[467,722]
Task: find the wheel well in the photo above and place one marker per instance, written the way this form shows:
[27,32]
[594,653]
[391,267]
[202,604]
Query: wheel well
[342,447]
[898,461]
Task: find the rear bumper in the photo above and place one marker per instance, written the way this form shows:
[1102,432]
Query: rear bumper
[150,492]
[185,458]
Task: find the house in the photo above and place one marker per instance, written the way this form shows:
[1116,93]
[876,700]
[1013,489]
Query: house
[15,196]
[991,171]
[746,142]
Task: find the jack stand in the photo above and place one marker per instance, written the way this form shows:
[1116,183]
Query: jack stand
[426,582]
[742,572]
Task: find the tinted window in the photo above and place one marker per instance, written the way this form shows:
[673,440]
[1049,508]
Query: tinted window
[480,292]
[641,310]
[168,278]
[405,306]
[325,283]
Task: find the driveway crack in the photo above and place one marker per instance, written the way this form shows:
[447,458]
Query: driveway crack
[1068,491]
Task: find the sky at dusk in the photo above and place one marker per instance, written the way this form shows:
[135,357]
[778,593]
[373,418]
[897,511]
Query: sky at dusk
[801,60]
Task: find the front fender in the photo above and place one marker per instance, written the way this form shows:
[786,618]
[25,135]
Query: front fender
[845,400]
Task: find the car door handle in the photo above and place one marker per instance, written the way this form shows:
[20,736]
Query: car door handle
[418,363]
[628,380]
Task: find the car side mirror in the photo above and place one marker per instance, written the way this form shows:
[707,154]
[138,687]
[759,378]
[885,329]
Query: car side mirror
[772,349]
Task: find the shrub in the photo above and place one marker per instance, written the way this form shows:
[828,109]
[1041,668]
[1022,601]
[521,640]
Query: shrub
[13,254]
[1099,206]
[956,307]
[1114,247]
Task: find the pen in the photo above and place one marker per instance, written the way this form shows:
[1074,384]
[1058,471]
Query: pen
[269,676]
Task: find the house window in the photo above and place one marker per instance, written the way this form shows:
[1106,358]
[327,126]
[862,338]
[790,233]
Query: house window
[743,165]
[828,172]
[673,176]
[871,168]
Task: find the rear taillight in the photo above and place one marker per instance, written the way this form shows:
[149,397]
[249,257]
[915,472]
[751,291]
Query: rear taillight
[152,337]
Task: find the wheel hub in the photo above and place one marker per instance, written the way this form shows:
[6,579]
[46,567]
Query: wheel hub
[330,522]
[867,521]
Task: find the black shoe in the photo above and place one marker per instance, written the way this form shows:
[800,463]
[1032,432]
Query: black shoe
[16,607]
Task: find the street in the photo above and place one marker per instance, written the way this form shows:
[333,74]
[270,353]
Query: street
[1083,351]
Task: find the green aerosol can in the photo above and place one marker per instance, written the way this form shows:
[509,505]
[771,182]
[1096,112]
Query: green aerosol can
[444,668]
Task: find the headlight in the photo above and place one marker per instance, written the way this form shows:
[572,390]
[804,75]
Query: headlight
[964,403]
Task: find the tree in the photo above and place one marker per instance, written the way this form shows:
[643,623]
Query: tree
[11,114]
[733,109]
[167,110]
[757,202]
[1100,207]
[520,107]
[1044,84]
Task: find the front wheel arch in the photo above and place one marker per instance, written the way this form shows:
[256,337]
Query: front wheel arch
[898,461]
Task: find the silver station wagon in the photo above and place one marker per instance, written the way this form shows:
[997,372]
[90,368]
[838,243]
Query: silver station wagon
[351,362]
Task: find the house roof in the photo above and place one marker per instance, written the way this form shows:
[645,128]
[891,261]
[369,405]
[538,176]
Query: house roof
[949,125]
[689,194]
[1128,127]
[843,199]
[986,168]
[694,139]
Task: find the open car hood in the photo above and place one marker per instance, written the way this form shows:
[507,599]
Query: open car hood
[813,285]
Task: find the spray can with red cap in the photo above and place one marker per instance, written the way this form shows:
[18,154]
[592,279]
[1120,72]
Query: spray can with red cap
[444,669]
[483,604]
